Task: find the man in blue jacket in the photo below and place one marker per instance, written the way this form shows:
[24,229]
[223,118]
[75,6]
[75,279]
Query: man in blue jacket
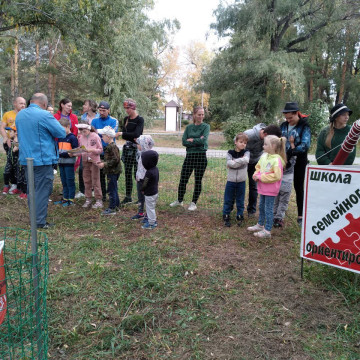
[99,123]
[37,130]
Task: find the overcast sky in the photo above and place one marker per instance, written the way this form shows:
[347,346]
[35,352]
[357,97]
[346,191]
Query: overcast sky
[195,17]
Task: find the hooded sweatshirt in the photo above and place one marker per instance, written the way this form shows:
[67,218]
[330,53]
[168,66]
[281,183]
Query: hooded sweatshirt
[146,143]
[255,143]
[151,181]
[237,162]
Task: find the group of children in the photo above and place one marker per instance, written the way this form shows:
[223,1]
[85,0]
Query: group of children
[273,175]
[88,145]
[14,173]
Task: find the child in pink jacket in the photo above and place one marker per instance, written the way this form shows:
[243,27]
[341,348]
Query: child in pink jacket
[90,157]
[268,175]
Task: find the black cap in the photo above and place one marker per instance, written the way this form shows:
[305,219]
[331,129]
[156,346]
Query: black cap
[291,107]
[104,105]
[338,110]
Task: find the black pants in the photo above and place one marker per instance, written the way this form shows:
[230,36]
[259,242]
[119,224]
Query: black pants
[81,180]
[196,162]
[130,165]
[251,208]
[103,180]
[299,178]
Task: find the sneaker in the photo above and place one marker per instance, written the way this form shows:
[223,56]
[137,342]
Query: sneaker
[68,203]
[299,221]
[127,200]
[12,188]
[5,190]
[138,216]
[251,215]
[108,211]
[55,172]
[226,219]
[98,204]
[240,220]
[263,234]
[60,202]
[23,196]
[145,219]
[15,192]
[256,227]
[192,207]
[79,195]
[176,203]
[46,226]
[278,223]
[148,226]
[87,203]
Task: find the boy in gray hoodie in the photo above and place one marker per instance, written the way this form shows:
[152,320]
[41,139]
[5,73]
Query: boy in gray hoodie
[237,162]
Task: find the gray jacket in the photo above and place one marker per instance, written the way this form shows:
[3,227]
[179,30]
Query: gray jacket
[255,143]
[237,168]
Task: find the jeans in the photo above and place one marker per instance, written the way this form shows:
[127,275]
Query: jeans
[141,197]
[251,208]
[266,211]
[234,191]
[43,183]
[130,165]
[196,162]
[113,190]
[299,178]
[81,180]
[67,175]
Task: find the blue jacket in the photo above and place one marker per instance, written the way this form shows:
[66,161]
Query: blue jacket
[302,136]
[37,130]
[100,123]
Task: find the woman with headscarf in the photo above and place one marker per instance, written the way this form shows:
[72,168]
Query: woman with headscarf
[332,136]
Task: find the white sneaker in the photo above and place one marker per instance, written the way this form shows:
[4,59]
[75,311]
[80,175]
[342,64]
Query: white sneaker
[87,203]
[79,195]
[192,207]
[12,188]
[263,234]
[176,203]
[98,204]
[256,227]
[55,172]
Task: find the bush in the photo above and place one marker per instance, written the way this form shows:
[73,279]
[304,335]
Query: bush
[319,117]
[235,124]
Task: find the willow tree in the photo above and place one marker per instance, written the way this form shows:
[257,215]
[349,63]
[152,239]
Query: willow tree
[263,65]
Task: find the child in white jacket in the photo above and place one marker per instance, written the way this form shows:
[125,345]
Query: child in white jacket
[237,161]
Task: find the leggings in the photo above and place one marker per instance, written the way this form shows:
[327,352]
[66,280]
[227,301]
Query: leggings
[193,162]
[130,165]
[299,177]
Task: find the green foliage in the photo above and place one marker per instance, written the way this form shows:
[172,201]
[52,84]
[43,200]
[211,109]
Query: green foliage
[235,124]
[319,117]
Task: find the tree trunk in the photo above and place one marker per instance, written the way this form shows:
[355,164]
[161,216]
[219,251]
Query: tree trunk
[311,80]
[37,66]
[12,82]
[344,67]
[50,75]
[16,68]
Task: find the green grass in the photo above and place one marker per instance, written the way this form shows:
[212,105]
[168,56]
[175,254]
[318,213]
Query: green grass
[191,289]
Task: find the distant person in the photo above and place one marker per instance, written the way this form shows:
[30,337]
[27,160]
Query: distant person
[144,143]
[132,128]
[37,130]
[90,158]
[236,162]
[332,136]
[268,175]
[296,129]
[89,111]
[65,112]
[112,168]
[150,186]
[195,139]
[66,164]
[14,173]
[104,119]
[50,109]
[8,119]
[255,145]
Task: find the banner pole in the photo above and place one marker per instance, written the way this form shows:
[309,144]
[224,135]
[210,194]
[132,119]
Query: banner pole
[34,252]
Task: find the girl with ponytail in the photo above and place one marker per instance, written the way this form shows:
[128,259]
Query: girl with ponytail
[268,175]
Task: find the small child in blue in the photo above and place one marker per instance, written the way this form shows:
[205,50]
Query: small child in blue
[150,186]
[237,161]
[66,164]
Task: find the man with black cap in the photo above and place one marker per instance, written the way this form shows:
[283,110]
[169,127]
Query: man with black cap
[332,136]
[100,122]
[297,131]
